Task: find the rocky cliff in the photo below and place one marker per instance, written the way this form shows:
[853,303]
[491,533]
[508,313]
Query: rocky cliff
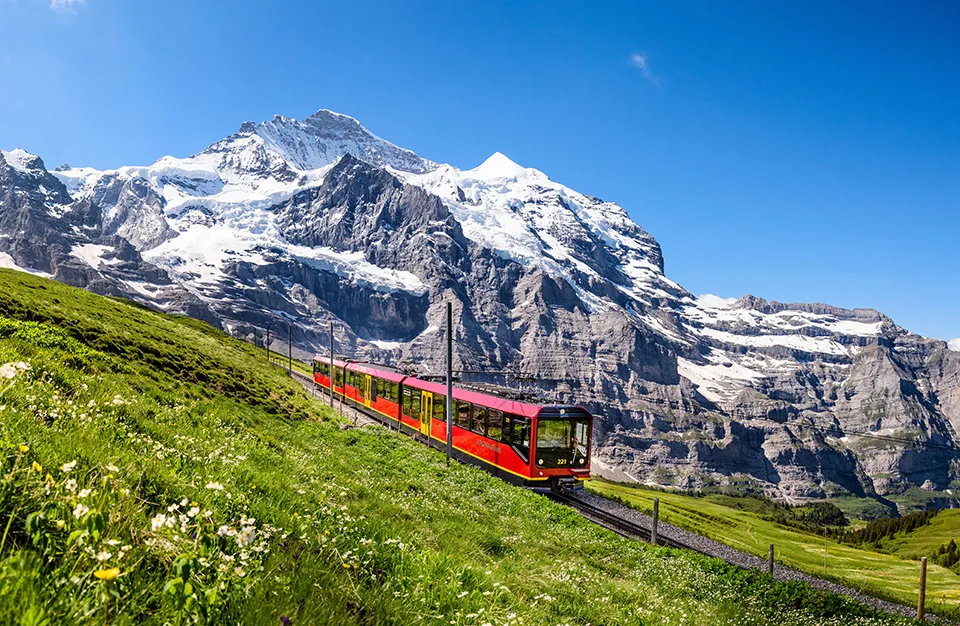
[304,222]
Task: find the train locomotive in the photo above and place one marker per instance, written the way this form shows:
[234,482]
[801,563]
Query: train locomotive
[546,447]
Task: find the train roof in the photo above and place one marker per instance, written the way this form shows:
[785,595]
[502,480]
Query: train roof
[506,405]
[325,359]
[483,399]
[393,377]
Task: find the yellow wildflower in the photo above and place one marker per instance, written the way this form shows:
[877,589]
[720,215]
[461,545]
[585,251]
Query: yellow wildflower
[23,448]
[107,574]
[38,467]
[60,524]
[50,480]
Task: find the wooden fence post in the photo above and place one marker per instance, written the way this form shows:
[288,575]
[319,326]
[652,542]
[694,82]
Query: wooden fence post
[923,589]
[656,519]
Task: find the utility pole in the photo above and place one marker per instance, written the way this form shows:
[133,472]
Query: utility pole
[290,348]
[266,344]
[449,381]
[332,377]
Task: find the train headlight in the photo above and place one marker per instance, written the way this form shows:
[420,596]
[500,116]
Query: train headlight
[582,461]
[540,461]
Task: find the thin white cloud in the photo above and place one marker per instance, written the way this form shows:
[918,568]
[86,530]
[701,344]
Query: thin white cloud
[640,61]
[65,5]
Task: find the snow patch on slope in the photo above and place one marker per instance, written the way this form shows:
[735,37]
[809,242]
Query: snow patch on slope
[92,254]
[7,262]
[354,267]
[710,301]
[954,344]
[719,380]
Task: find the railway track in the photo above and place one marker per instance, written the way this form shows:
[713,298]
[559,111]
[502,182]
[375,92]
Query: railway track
[612,521]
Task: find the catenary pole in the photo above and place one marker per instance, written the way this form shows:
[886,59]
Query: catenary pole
[290,348]
[449,381]
[331,365]
[266,344]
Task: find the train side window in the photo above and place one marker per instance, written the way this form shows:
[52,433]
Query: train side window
[393,391]
[494,424]
[415,404]
[440,407]
[463,414]
[479,419]
[405,406]
[340,377]
[373,388]
[520,435]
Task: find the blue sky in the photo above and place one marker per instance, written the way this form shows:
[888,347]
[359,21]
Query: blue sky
[795,151]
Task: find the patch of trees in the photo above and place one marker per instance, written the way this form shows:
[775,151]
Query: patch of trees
[812,517]
[947,555]
[877,530]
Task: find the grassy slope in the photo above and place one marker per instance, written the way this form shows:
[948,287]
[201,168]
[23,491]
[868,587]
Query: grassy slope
[882,574]
[221,493]
[926,539]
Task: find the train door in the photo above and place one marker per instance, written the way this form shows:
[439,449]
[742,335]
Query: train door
[366,391]
[426,412]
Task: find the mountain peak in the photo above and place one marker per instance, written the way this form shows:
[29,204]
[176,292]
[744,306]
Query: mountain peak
[499,165]
[311,143]
[327,114]
[22,160]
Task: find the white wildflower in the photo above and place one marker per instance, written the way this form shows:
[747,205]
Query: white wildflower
[158,521]
[68,467]
[103,556]
[246,536]
[215,486]
[112,468]
[193,512]
[80,511]
[70,485]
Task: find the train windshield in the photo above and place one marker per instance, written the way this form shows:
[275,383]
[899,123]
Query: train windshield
[563,442]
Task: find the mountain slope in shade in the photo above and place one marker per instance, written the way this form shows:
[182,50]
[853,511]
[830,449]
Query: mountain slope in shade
[306,222]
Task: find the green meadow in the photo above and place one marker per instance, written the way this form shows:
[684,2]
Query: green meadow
[729,520]
[156,471]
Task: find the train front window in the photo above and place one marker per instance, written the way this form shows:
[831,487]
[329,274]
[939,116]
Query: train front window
[562,442]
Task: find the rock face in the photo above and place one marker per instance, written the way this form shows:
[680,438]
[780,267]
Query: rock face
[296,224]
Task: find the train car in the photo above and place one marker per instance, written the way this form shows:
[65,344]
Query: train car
[532,445]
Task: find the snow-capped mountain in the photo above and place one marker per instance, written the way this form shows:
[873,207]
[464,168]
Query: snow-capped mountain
[319,220]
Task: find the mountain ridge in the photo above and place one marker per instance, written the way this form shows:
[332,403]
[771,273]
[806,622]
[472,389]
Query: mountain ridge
[308,222]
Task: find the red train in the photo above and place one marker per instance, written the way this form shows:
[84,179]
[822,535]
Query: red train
[526,444]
